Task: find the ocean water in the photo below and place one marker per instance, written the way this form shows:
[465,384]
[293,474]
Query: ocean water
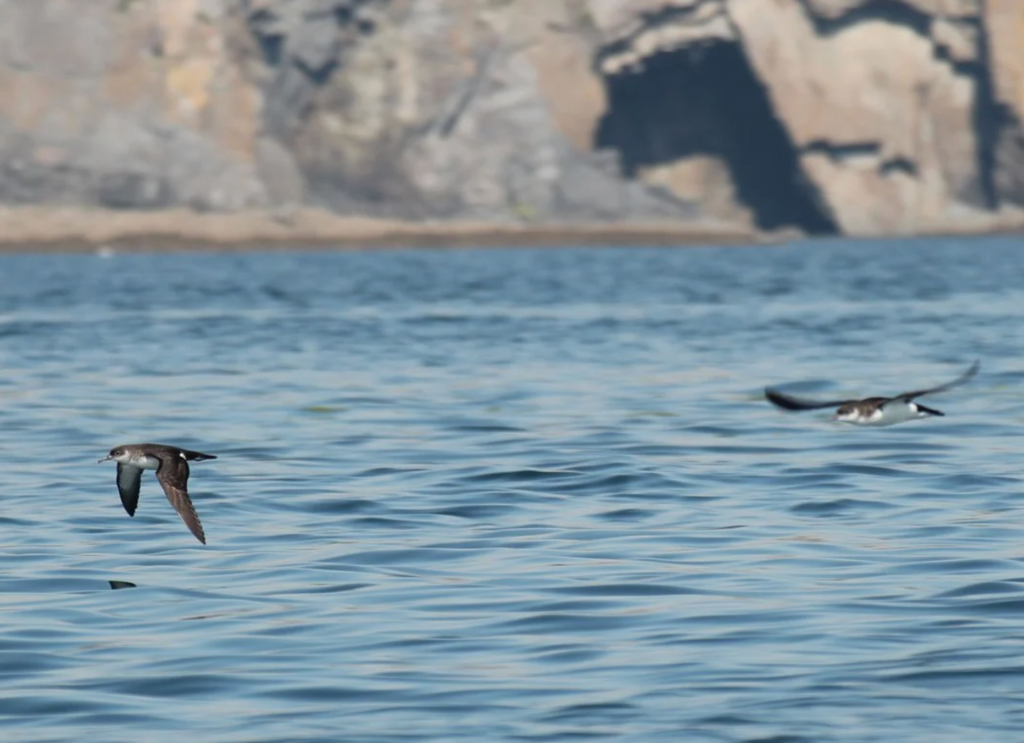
[515,495]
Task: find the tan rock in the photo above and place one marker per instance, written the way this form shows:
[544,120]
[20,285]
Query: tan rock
[956,39]
[885,128]
[705,180]
[558,50]
[631,37]
[1004,24]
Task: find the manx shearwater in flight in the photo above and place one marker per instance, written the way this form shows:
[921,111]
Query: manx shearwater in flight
[873,411]
[171,465]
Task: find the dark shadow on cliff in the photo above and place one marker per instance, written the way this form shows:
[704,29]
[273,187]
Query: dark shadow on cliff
[891,11]
[992,121]
[706,101]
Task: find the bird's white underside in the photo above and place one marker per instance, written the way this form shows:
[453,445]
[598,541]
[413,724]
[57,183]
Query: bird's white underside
[888,415]
[143,461]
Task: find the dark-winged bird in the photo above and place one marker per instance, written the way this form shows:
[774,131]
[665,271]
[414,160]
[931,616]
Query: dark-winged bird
[171,465]
[873,411]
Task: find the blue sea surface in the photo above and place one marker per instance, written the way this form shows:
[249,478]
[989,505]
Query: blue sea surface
[515,495]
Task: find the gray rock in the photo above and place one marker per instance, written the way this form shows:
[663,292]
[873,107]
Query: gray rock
[591,188]
[133,191]
[303,41]
[279,172]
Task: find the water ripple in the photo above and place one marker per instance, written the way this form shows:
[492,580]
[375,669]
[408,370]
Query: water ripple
[514,495]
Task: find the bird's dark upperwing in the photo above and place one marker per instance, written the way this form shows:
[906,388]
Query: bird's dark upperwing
[173,477]
[788,402]
[965,377]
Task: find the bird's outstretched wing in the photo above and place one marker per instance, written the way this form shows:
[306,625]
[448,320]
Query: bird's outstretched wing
[128,481]
[965,377]
[172,475]
[788,402]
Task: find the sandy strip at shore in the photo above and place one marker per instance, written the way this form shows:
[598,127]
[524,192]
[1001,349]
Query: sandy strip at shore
[48,229]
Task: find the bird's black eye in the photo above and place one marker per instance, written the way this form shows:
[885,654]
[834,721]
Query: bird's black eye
[115,452]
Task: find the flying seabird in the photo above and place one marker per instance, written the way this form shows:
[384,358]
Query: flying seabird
[171,465]
[873,411]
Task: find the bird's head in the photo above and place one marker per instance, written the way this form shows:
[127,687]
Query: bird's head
[118,454]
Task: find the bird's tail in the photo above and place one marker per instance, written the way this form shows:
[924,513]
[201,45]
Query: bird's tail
[198,456]
[930,411]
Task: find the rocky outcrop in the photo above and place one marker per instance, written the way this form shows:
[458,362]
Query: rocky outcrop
[433,108]
[128,104]
[887,106]
[880,103]
[1004,33]
[448,109]
[852,116]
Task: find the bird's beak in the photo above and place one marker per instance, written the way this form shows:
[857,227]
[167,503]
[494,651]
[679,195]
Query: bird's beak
[103,460]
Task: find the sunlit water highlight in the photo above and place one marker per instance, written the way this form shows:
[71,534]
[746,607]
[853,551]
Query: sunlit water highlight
[524,495]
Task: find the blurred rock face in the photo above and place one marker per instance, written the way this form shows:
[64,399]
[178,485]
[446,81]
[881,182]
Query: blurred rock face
[856,116]
[129,105]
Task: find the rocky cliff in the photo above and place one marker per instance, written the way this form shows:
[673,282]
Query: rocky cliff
[851,116]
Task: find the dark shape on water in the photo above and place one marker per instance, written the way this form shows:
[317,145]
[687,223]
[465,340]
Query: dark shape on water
[171,465]
[117,584]
[873,411]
